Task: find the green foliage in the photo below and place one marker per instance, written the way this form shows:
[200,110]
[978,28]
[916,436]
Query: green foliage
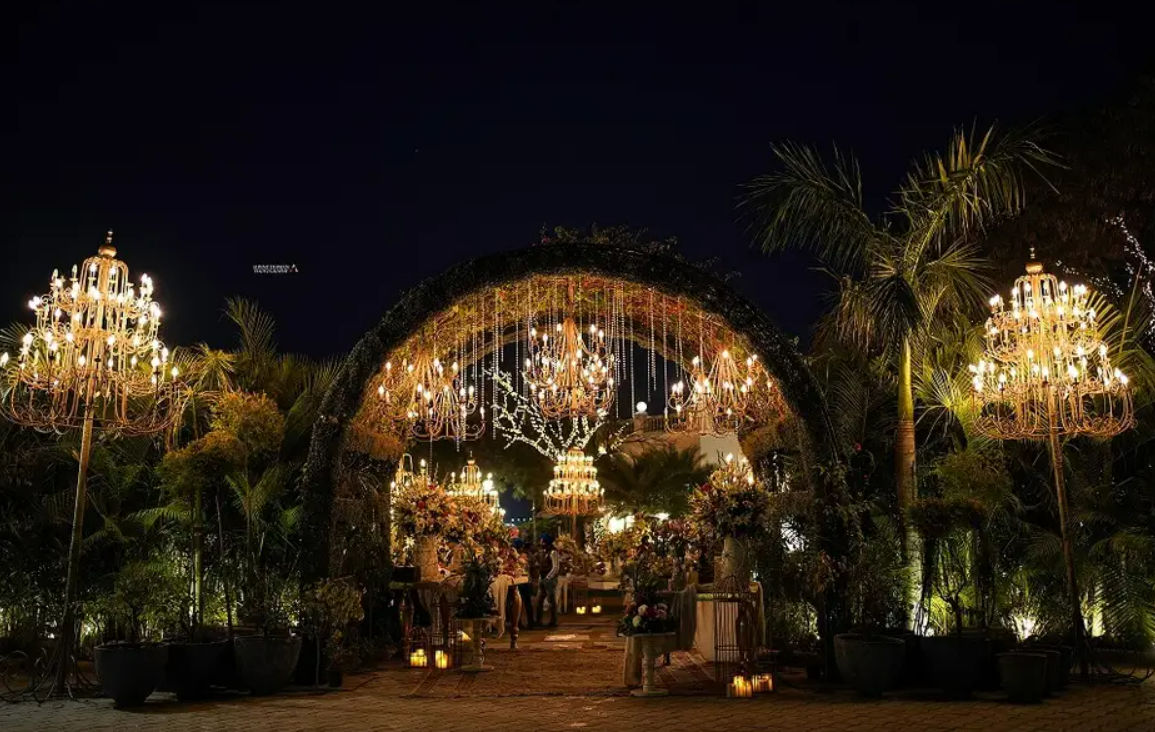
[254,419]
[657,480]
[146,603]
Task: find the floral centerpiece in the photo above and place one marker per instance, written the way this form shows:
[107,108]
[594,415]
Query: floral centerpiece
[646,618]
[645,577]
[732,506]
[424,511]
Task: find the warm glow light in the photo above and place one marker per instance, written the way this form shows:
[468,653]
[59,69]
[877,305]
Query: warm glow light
[574,490]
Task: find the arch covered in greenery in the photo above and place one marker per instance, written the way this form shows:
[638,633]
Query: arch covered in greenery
[648,266]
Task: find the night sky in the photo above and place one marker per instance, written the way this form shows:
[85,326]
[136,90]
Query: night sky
[373,150]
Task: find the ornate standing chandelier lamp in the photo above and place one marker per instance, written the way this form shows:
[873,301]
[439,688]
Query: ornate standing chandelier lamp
[574,490]
[570,375]
[93,361]
[1046,374]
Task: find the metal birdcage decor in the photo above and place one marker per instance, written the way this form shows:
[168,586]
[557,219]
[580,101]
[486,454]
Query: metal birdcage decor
[470,484]
[574,490]
[1045,369]
[719,396]
[1046,374]
[568,373]
[93,361]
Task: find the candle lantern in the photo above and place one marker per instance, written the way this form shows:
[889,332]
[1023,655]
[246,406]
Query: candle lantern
[441,659]
[740,688]
[763,683]
[581,610]
[596,609]
[418,659]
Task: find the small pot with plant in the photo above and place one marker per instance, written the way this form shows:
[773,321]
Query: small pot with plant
[130,669]
[956,656]
[330,608]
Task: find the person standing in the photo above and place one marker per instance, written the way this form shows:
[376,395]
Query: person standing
[550,568]
[527,572]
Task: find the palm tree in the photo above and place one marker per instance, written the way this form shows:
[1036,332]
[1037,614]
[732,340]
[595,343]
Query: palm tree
[657,480]
[899,274]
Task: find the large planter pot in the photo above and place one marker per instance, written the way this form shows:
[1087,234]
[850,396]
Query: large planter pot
[956,661]
[425,557]
[871,664]
[652,646]
[1023,676]
[1058,663]
[193,667]
[266,663]
[129,672]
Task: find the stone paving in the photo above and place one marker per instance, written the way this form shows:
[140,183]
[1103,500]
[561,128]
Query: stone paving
[571,679]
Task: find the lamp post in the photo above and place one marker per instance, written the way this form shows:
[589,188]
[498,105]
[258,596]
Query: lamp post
[92,362]
[1046,374]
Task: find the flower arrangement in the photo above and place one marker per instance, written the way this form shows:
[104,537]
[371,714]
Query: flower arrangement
[646,618]
[424,509]
[731,504]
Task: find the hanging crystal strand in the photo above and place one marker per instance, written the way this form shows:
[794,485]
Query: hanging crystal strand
[665,361]
[681,354]
[496,350]
[653,379]
[633,369]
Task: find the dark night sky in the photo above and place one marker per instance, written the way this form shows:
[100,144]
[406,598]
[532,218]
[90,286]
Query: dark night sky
[373,150]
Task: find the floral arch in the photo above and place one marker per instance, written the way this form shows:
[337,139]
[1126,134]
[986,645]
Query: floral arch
[475,313]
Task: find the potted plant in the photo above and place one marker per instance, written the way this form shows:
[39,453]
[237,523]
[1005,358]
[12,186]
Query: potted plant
[733,506]
[476,604]
[870,660]
[130,670]
[330,607]
[647,621]
[266,659]
[956,657]
[423,511]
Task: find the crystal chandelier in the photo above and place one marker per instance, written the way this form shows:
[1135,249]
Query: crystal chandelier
[438,403]
[574,490]
[469,484]
[568,375]
[718,399]
[1046,374]
[1045,368]
[94,352]
[92,361]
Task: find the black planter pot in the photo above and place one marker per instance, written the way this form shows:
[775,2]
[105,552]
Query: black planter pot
[1060,676]
[1023,675]
[266,663]
[193,667]
[956,662]
[871,664]
[129,672]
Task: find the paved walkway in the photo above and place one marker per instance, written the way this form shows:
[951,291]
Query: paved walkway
[571,679]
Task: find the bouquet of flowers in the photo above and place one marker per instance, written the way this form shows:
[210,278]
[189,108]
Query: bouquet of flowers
[732,503]
[646,618]
[423,509]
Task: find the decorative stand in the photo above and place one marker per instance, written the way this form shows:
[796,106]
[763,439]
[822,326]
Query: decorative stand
[476,628]
[652,644]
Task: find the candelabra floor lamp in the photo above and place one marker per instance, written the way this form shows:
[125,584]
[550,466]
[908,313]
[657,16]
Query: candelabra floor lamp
[92,362]
[1046,375]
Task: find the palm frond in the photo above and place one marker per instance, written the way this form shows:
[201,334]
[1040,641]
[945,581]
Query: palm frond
[811,204]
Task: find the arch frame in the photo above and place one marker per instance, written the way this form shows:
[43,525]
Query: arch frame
[659,269]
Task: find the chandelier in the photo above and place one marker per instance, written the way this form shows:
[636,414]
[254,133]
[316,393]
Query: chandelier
[469,484]
[719,398]
[438,403]
[574,490]
[1045,369]
[92,361]
[570,375]
[94,353]
[1045,374]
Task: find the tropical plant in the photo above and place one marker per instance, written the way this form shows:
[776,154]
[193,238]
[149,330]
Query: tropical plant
[657,480]
[904,274]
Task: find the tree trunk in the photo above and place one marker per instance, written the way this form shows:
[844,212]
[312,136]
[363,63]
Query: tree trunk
[198,558]
[904,479]
[67,642]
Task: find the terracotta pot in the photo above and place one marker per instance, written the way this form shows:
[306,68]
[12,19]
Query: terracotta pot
[871,664]
[129,672]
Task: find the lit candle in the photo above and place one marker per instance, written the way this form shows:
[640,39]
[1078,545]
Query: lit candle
[417,659]
[441,660]
[596,609]
[581,610]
